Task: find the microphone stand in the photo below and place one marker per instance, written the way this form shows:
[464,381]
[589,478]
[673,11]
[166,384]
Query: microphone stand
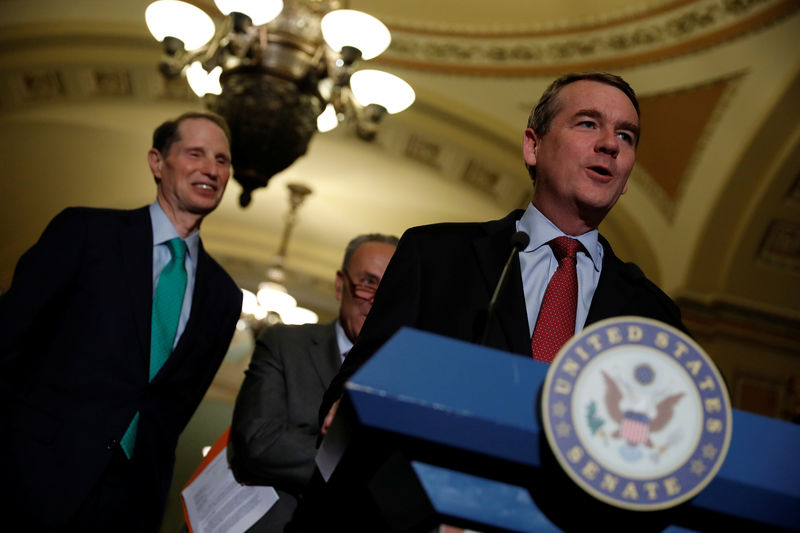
[519,241]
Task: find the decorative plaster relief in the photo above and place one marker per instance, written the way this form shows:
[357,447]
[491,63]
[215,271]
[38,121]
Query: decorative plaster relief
[636,40]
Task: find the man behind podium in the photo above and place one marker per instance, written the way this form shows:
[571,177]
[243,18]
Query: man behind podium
[275,427]
[580,148]
[91,411]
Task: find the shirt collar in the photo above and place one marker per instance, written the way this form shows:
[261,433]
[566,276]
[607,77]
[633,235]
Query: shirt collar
[341,339]
[542,231]
[163,231]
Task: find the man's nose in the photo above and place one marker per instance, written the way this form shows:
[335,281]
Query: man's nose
[608,143]
[210,167]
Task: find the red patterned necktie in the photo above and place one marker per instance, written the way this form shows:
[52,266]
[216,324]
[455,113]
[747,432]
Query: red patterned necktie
[556,322]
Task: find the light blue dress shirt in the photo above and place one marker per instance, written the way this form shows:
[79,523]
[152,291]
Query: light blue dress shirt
[342,341]
[539,263]
[164,231]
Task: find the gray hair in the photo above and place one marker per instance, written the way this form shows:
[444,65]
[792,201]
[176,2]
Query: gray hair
[353,245]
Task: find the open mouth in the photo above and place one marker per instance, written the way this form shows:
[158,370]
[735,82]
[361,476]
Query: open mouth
[601,170]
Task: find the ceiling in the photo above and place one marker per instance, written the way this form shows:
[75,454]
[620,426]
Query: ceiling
[713,208]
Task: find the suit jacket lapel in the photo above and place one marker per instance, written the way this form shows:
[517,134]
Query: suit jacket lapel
[323,350]
[609,298]
[136,243]
[492,251]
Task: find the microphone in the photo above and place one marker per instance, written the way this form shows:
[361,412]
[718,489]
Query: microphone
[519,241]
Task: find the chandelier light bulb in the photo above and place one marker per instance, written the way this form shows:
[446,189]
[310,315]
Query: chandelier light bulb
[274,297]
[327,120]
[203,82]
[299,315]
[259,11]
[196,78]
[249,302]
[383,89]
[172,18]
[213,86]
[347,27]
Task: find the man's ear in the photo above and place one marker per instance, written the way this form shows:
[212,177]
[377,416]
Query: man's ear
[155,161]
[339,285]
[530,144]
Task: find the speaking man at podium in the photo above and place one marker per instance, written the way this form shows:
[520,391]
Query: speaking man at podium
[579,148]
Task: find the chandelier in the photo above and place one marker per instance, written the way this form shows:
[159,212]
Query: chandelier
[273,303]
[279,71]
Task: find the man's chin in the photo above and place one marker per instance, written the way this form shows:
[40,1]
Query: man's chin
[595,210]
[356,331]
[202,209]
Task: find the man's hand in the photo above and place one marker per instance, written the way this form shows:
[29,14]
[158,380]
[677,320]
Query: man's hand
[329,417]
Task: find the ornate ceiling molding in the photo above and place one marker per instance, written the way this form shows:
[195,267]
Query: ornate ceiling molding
[73,83]
[670,31]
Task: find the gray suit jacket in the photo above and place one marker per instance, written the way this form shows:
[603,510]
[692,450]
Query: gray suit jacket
[275,428]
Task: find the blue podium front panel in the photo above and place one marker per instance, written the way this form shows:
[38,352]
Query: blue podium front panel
[760,479]
[454,393]
[485,401]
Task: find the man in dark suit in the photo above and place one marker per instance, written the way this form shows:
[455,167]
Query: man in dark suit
[579,147]
[275,426]
[91,408]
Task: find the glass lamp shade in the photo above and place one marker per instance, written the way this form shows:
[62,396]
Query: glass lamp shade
[250,305]
[274,297]
[382,88]
[347,27]
[259,11]
[171,18]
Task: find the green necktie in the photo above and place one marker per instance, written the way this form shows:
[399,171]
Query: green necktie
[167,303]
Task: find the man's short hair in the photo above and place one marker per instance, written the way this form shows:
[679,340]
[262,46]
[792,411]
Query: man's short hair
[167,133]
[541,116]
[353,245]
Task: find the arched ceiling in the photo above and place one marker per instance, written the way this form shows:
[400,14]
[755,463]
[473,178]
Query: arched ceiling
[713,208]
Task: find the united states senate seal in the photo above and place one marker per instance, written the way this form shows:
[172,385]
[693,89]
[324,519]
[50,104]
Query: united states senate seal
[636,413]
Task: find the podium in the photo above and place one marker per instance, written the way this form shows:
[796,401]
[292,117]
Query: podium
[437,431]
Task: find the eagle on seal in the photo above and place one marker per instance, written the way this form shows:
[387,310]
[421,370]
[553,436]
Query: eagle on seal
[638,421]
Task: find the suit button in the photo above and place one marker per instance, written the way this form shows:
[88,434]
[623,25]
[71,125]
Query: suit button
[113,443]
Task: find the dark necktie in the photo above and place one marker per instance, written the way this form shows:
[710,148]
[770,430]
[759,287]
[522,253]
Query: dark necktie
[556,322]
[167,303]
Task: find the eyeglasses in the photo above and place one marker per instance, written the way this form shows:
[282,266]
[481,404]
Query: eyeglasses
[364,290]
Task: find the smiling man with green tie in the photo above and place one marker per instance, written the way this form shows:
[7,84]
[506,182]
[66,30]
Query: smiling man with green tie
[111,332]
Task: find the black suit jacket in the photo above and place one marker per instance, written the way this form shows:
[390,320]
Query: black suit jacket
[442,276]
[74,359]
[275,427]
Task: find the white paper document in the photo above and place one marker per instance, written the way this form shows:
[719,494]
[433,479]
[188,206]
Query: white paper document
[216,503]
